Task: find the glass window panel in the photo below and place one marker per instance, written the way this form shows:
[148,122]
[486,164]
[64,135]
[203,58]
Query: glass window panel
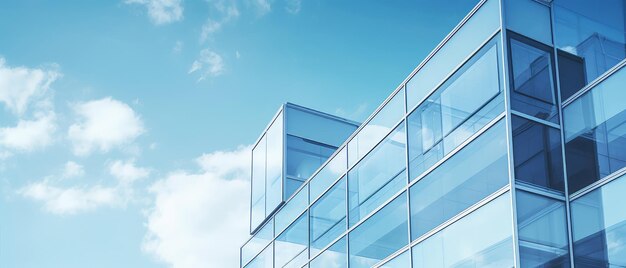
[530,18]
[316,126]
[290,211]
[333,257]
[480,239]
[571,73]
[329,173]
[263,260]
[401,261]
[274,165]
[257,242]
[595,133]
[381,124]
[592,32]
[258,184]
[291,246]
[304,157]
[378,176]
[328,217]
[542,231]
[460,46]
[599,226]
[469,176]
[537,154]
[381,235]
[532,89]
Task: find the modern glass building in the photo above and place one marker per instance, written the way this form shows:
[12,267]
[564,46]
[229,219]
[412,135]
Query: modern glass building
[505,147]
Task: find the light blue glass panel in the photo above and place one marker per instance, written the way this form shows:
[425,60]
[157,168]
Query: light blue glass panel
[292,209]
[400,261]
[542,231]
[328,217]
[378,176]
[381,235]
[469,176]
[530,18]
[263,260]
[376,129]
[304,157]
[329,173]
[595,133]
[257,242]
[317,126]
[274,165]
[292,244]
[480,239]
[333,257]
[464,104]
[460,46]
[257,206]
[599,226]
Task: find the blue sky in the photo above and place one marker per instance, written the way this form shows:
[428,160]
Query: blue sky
[125,125]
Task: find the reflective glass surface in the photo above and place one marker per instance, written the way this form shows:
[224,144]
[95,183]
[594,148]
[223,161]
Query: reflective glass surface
[291,246]
[472,174]
[329,173]
[467,39]
[381,124]
[465,103]
[274,164]
[316,126]
[304,157]
[537,154]
[263,260]
[480,239]
[381,235]
[258,184]
[257,242]
[333,257]
[328,217]
[400,261]
[595,132]
[599,226]
[290,211]
[378,176]
[532,87]
[591,33]
[542,231]
[530,18]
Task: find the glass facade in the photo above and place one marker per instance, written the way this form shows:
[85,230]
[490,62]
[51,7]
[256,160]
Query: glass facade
[505,147]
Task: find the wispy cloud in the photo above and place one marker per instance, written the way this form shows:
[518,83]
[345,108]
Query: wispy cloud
[207,64]
[262,6]
[127,172]
[103,124]
[20,85]
[178,47]
[161,11]
[72,170]
[224,13]
[194,211]
[293,6]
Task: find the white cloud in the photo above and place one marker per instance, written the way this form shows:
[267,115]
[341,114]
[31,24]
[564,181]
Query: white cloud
[72,170]
[127,172]
[58,200]
[227,13]
[262,6]
[161,11]
[201,219]
[103,124]
[20,85]
[208,64]
[29,135]
[293,6]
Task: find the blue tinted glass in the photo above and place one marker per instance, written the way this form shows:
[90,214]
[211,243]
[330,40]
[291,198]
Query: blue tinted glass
[304,157]
[464,104]
[472,174]
[400,261]
[333,257]
[593,33]
[381,235]
[257,242]
[599,226]
[313,125]
[292,209]
[542,231]
[476,30]
[537,154]
[263,260]
[530,18]
[328,217]
[532,87]
[329,174]
[378,176]
[291,246]
[274,170]
[595,133]
[480,239]
[258,184]
[376,129]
